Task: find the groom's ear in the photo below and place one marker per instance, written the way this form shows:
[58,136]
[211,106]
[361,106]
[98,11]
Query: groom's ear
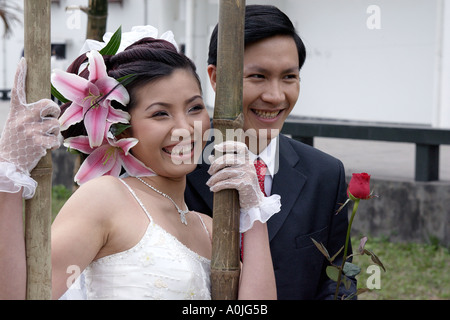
[212,72]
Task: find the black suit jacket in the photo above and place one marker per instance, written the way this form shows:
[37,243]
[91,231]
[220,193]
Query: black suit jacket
[311,185]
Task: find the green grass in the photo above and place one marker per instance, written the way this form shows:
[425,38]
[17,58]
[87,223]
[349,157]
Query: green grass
[414,271]
[60,194]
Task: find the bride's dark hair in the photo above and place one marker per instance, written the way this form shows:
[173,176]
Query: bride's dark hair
[144,61]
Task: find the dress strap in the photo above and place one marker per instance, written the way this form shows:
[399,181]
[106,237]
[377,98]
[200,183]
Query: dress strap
[137,199]
[204,225]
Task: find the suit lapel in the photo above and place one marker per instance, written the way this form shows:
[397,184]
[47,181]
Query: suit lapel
[288,182]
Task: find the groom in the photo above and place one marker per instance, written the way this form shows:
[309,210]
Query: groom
[311,183]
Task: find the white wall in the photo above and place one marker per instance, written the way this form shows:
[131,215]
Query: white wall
[353,72]
[442,114]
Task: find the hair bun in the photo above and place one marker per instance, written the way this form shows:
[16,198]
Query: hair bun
[153,43]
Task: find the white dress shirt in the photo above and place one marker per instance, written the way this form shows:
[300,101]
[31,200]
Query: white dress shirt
[269,156]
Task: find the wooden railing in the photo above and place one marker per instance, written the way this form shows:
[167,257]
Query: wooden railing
[426,139]
[4,94]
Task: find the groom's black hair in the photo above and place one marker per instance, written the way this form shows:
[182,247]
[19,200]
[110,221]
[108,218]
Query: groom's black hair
[262,22]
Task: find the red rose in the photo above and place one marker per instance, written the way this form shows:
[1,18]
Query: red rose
[359,186]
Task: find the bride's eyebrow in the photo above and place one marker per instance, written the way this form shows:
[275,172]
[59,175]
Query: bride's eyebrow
[163,104]
[167,105]
[193,99]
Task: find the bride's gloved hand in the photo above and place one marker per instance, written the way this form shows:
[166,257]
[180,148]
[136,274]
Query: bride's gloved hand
[233,170]
[30,129]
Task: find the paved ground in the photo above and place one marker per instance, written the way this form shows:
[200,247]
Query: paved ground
[380,159]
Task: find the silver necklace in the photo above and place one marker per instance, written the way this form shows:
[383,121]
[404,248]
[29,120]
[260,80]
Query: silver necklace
[181,212]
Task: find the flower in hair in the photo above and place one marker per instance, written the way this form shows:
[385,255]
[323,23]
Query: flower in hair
[91,103]
[128,38]
[91,99]
[108,158]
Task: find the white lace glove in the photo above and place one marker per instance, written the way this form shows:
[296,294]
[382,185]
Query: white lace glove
[30,129]
[233,170]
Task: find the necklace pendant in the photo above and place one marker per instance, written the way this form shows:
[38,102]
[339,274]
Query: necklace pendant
[183,217]
[181,212]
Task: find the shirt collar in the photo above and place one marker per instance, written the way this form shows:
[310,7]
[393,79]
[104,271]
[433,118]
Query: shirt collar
[267,155]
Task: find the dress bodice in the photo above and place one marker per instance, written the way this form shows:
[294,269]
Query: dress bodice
[159,266]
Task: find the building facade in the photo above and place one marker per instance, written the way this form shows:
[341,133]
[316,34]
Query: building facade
[384,61]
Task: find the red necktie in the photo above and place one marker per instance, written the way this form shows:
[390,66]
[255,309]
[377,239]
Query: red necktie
[261,169]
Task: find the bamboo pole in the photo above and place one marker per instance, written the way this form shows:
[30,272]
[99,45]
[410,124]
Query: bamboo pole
[225,263]
[97,12]
[38,209]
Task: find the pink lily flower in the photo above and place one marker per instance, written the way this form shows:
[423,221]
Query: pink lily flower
[91,99]
[107,159]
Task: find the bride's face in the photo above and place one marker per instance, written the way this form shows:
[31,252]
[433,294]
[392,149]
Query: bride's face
[169,119]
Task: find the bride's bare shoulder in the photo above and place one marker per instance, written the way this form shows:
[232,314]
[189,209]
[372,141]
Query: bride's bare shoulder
[103,192]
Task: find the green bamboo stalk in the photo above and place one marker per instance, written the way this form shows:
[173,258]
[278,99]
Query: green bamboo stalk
[225,263]
[97,16]
[37,50]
